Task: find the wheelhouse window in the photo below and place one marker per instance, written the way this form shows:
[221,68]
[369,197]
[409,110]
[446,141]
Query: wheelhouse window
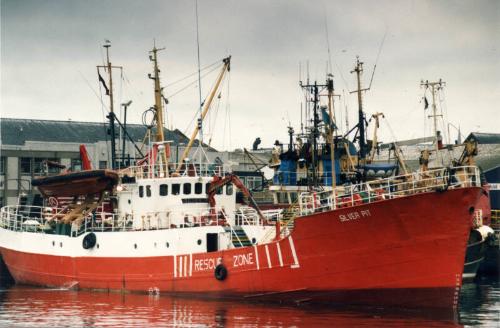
[198,188]
[186,189]
[176,189]
[141,191]
[148,190]
[163,190]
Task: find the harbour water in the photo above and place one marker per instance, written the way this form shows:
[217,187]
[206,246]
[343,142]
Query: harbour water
[22,306]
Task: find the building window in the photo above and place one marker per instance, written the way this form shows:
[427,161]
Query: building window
[254,183]
[148,190]
[26,165]
[163,190]
[198,188]
[76,164]
[38,166]
[53,168]
[2,165]
[141,191]
[186,189]
[176,189]
[103,165]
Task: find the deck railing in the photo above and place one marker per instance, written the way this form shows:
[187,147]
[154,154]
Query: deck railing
[48,220]
[381,189]
[187,169]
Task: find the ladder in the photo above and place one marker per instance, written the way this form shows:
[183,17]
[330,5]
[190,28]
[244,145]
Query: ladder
[238,236]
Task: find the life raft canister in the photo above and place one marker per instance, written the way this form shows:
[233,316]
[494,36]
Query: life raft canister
[220,272]
[89,241]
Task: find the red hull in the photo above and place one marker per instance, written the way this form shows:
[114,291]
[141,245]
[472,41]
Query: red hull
[403,252]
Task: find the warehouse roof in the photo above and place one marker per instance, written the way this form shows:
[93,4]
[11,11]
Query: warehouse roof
[17,131]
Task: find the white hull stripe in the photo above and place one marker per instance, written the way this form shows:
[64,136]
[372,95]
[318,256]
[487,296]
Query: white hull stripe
[180,266]
[256,257]
[268,257]
[190,265]
[279,253]
[294,254]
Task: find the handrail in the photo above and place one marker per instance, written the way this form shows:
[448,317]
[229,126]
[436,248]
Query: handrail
[45,219]
[388,188]
[189,169]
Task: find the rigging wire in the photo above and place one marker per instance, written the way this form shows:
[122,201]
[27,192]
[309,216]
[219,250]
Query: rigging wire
[191,83]
[192,74]
[328,43]
[378,56]
[104,125]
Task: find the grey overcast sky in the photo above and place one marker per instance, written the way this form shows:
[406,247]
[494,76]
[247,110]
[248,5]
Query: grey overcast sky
[49,50]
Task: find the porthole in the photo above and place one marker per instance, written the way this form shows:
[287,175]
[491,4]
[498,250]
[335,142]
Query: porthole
[167,244]
[97,245]
[129,201]
[155,244]
[199,241]
[254,241]
[60,244]
[135,246]
[53,243]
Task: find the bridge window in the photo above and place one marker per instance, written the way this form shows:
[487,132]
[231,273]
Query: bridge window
[198,188]
[163,190]
[229,189]
[141,191]
[148,190]
[186,189]
[176,189]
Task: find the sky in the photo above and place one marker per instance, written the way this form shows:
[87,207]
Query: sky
[50,49]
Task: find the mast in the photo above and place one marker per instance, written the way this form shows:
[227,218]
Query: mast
[111,115]
[361,117]
[158,105]
[435,86]
[331,111]
[315,133]
[159,138]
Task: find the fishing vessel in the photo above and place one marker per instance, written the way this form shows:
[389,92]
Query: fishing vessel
[307,163]
[175,228]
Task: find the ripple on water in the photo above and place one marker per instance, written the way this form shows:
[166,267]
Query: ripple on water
[35,307]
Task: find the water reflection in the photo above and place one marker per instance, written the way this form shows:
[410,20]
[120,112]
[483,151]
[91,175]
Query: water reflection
[30,307]
[480,303]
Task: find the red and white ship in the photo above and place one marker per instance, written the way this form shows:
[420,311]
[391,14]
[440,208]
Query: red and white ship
[177,229]
[401,245]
